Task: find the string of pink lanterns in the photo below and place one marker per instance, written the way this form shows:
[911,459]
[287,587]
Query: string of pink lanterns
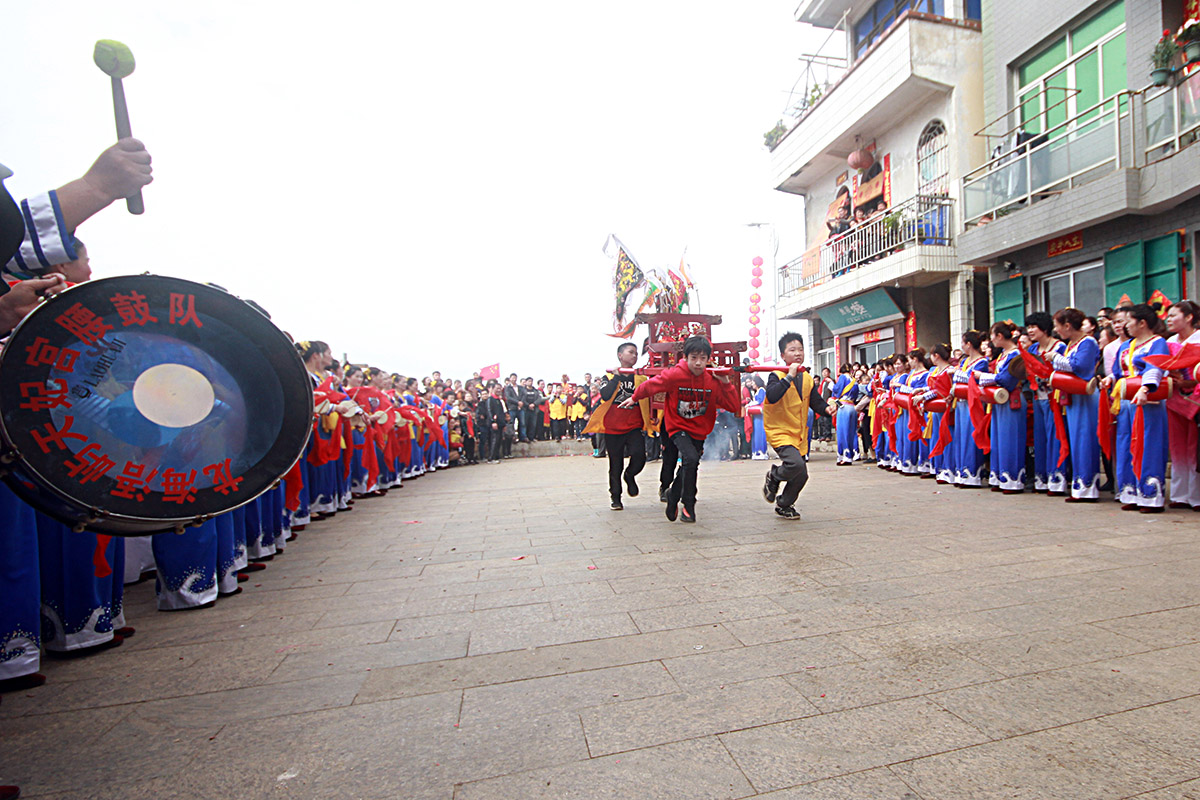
[756,282]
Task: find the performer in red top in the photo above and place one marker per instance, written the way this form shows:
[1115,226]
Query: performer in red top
[693,395]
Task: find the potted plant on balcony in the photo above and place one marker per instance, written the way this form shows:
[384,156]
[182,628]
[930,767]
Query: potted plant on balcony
[773,136]
[1161,57]
[1188,38]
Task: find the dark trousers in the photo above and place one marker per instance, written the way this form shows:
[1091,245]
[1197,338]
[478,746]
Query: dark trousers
[792,472]
[558,428]
[670,455]
[469,448]
[684,486]
[529,421]
[653,448]
[494,439]
[632,444]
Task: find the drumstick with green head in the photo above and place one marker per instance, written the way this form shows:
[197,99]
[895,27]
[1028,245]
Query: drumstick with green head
[116,61]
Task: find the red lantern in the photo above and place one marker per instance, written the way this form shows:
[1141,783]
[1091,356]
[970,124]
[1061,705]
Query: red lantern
[753,353]
[757,261]
[754,298]
[753,319]
[756,272]
[754,331]
[757,282]
[753,341]
[754,308]
[860,159]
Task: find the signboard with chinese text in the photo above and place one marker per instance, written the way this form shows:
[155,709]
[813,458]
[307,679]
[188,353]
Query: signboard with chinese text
[875,307]
[1064,244]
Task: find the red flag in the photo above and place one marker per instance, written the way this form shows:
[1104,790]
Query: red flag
[916,420]
[1186,356]
[1036,367]
[1060,425]
[979,417]
[1137,441]
[490,372]
[1104,425]
[100,558]
[944,435]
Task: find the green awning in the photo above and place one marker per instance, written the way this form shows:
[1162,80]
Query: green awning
[869,308]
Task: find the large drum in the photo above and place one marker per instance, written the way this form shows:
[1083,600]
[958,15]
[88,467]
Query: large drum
[142,404]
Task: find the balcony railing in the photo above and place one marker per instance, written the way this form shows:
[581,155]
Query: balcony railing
[1172,118]
[1067,154]
[920,220]
[1131,128]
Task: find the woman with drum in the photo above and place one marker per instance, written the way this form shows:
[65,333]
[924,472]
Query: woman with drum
[1141,451]
[941,466]
[899,428]
[1048,476]
[845,392]
[1080,358]
[1008,419]
[1183,409]
[914,452]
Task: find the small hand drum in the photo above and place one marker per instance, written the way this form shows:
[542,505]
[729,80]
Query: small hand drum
[142,404]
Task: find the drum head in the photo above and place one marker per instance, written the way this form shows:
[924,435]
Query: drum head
[138,404]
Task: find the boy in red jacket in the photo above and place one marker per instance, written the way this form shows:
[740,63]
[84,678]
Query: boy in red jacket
[693,395]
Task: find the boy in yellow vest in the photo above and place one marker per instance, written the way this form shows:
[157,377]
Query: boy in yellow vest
[785,420]
[623,428]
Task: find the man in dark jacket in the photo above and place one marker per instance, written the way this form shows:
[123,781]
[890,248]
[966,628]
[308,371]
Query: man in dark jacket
[492,419]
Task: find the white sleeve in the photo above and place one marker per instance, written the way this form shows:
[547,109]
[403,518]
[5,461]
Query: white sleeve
[47,241]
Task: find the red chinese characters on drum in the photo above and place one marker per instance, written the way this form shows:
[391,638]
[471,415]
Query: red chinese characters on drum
[136,481]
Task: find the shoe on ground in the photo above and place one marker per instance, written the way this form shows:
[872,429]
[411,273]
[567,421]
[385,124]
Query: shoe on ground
[672,509]
[770,488]
[662,495]
[788,512]
[687,515]
[631,487]
[616,506]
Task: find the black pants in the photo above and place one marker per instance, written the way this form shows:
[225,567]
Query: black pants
[506,439]
[653,448]
[670,455]
[792,472]
[469,449]
[864,432]
[558,429]
[684,486]
[494,437]
[632,444]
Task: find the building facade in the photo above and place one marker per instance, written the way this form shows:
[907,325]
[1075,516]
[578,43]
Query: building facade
[1088,193]
[877,153]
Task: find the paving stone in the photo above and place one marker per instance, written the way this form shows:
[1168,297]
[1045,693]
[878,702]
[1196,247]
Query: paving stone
[787,753]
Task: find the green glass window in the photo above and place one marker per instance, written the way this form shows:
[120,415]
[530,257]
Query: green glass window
[1095,29]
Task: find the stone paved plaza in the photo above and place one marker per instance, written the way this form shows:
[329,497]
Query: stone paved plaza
[496,632]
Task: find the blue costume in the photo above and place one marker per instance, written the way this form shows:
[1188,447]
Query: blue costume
[968,458]
[900,428]
[83,586]
[187,567]
[1048,474]
[914,454]
[1082,413]
[20,615]
[1008,426]
[846,392]
[1148,491]
[758,435]
[940,465]
[882,457]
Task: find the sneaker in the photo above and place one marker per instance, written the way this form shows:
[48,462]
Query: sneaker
[687,516]
[788,512]
[672,507]
[631,486]
[616,506]
[770,488]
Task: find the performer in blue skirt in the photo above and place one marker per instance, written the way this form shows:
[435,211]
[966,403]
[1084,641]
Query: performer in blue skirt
[83,586]
[1080,358]
[900,416]
[20,613]
[941,465]
[1048,475]
[968,457]
[882,410]
[1008,419]
[913,456]
[845,392]
[1143,487]
[187,567]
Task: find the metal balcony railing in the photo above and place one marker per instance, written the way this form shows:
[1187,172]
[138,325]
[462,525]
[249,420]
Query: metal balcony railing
[1131,129]
[920,220]
[1066,154]
[1172,118]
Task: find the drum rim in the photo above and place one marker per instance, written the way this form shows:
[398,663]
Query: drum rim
[21,466]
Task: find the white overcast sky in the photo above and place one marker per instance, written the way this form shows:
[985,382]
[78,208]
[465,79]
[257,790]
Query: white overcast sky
[424,186]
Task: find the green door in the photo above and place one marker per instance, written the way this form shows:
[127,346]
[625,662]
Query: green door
[1008,300]
[1124,274]
[1162,266]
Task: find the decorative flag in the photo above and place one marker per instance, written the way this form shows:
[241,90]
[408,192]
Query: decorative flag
[680,287]
[1164,302]
[683,270]
[627,276]
[490,372]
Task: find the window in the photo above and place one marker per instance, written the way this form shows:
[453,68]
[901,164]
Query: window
[1073,72]
[1080,287]
[880,16]
[933,165]
[870,353]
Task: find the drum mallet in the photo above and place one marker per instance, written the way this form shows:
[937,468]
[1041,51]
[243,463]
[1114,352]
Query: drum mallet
[116,61]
